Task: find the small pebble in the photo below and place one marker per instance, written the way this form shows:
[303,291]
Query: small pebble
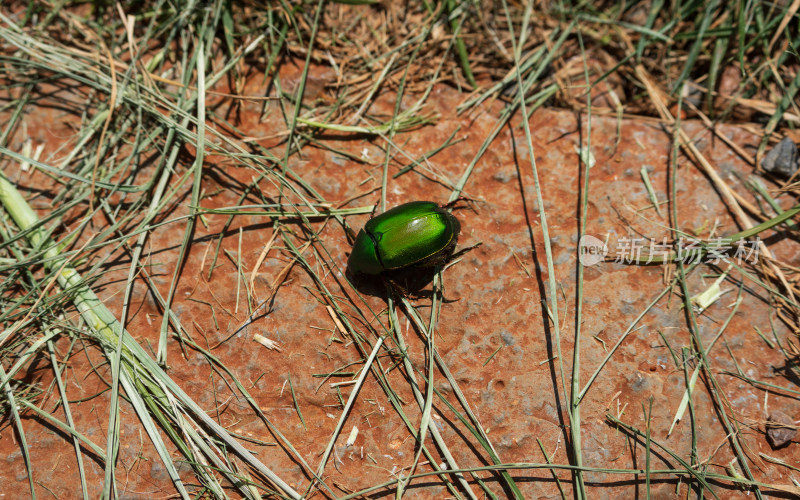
[782,159]
[504,176]
[780,429]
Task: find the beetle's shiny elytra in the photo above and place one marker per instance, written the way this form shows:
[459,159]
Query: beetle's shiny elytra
[416,234]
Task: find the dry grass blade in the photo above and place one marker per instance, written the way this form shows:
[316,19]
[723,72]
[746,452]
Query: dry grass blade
[135,362]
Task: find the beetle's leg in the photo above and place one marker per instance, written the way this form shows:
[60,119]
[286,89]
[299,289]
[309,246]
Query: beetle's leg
[453,203]
[397,287]
[351,235]
[445,300]
[464,250]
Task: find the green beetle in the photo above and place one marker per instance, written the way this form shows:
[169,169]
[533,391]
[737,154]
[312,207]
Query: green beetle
[416,234]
